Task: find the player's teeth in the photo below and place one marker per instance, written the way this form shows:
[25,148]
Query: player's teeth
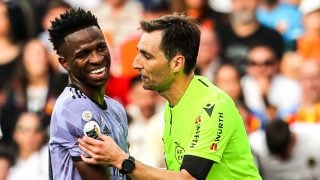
[97,71]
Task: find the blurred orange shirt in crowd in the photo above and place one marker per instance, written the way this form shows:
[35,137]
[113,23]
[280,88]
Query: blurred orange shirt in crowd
[127,53]
[309,47]
[306,115]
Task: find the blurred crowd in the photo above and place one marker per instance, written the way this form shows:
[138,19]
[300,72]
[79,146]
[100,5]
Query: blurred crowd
[264,53]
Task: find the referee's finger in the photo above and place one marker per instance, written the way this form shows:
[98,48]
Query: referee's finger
[85,150]
[103,137]
[87,141]
[88,160]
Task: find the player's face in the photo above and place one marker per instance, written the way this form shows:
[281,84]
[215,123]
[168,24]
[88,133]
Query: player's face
[86,58]
[152,64]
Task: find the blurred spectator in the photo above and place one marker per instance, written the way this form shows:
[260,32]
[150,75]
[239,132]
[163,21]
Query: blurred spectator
[227,78]
[146,128]
[268,93]
[35,9]
[28,8]
[119,18]
[221,6]
[37,91]
[243,31]
[309,44]
[53,9]
[283,17]
[127,49]
[84,4]
[201,11]
[208,57]
[292,2]
[154,8]
[7,160]
[284,152]
[13,33]
[309,108]
[290,64]
[32,160]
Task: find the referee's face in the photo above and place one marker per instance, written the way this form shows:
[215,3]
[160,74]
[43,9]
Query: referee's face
[155,69]
[86,58]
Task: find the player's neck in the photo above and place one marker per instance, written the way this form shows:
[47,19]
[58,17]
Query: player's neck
[98,97]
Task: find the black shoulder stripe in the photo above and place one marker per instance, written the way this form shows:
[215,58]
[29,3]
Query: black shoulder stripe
[73,96]
[203,82]
[76,93]
[82,94]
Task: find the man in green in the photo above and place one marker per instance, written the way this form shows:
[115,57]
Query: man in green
[204,135]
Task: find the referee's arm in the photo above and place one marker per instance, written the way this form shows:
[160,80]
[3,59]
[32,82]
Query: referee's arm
[88,171]
[106,151]
[192,168]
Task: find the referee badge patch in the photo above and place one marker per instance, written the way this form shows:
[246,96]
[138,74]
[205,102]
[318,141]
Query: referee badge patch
[86,115]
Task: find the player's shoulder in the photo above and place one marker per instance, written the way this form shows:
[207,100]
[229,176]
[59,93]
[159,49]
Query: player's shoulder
[72,97]
[113,104]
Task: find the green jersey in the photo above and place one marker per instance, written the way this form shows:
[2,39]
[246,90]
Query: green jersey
[206,123]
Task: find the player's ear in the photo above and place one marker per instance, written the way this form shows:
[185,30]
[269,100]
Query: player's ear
[64,63]
[177,63]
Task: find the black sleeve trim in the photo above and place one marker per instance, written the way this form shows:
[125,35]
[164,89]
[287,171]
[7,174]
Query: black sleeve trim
[76,158]
[198,167]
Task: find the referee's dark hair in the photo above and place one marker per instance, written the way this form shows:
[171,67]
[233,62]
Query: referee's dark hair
[70,22]
[180,35]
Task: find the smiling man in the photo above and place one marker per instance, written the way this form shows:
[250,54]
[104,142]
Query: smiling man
[82,108]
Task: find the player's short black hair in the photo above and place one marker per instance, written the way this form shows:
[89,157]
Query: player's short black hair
[70,22]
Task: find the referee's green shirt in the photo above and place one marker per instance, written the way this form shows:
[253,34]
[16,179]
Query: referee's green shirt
[205,123]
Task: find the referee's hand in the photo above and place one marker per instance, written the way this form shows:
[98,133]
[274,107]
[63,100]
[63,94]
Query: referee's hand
[103,151]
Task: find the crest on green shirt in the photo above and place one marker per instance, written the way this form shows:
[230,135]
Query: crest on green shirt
[179,152]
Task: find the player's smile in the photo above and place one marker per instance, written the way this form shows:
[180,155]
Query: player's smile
[99,73]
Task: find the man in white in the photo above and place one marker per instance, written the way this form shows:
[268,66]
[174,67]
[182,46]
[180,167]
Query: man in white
[283,152]
[267,92]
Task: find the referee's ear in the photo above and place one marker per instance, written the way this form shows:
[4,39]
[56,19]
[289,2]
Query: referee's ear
[177,63]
